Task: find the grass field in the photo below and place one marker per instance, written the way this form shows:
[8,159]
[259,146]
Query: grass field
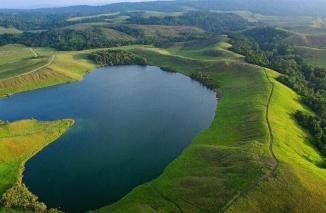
[308,40]
[19,141]
[4,30]
[218,50]
[14,53]
[16,60]
[298,24]
[313,56]
[26,72]
[79,18]
[299,185]
[115,15]
[162,31]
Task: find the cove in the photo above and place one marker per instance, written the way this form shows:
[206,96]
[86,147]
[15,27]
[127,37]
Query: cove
[131,122]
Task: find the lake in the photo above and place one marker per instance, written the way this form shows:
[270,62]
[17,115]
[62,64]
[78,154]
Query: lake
[131,122]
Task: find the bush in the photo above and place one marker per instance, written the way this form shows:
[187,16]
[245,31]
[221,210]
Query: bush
[19,196]
[168,69]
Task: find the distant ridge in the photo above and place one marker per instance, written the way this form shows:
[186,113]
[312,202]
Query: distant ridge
[267,7]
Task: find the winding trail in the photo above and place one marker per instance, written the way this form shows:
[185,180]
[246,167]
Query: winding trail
[275,162]
[32,71]
[271,142]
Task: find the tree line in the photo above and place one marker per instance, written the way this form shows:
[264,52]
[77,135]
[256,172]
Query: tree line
[67,39]
[116,57]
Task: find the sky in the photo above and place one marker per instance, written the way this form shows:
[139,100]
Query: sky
[28,4]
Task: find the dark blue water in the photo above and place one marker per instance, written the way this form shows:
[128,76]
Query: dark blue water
[131,122]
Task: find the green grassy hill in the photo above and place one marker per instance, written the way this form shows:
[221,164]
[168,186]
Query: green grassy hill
[13,53]
[228,167]
[298,184]
[25,71]
[309,40]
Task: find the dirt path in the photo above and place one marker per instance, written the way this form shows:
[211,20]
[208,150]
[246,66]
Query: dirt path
[33,51]
[32,71]
[274,163]
[167,198]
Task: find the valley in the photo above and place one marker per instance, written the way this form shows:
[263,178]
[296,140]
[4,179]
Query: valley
[254,84]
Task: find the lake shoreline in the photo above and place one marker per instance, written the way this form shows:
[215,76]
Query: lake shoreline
[142,69]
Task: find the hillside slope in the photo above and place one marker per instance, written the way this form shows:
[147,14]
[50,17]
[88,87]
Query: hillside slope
[48,68]
[223,167]
[299,184]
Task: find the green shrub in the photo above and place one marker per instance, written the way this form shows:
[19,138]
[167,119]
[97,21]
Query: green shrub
[116,57]
[20,197]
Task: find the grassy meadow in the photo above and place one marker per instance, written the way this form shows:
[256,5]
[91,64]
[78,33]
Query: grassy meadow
[217,50]
[14,53]
[11,30]
[299,182]
[313,40]
[23,71]
[79,18]
[313,56]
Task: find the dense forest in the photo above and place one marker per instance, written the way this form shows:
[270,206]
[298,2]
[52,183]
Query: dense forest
[208,21]
[64,39]
[264,47]
[32,21]
[116,57]
[95,37]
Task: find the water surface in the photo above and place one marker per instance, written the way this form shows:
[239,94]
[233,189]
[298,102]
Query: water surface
[131,122]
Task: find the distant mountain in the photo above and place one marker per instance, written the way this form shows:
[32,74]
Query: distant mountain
[267,7]
[121,7]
